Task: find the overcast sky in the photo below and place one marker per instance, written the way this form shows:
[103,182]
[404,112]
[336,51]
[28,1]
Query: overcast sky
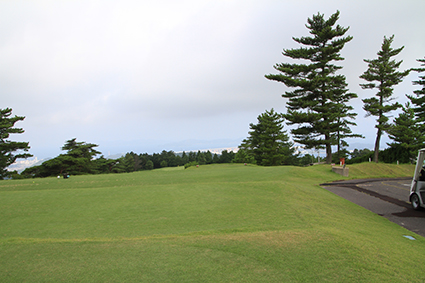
[147,76]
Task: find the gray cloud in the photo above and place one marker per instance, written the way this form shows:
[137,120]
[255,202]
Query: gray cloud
[138,75]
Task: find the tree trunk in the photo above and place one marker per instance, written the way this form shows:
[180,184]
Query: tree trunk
[339,146]
[377,141]
[328,153]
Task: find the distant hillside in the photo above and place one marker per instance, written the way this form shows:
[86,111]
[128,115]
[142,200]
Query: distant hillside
[212,150]
[22,164]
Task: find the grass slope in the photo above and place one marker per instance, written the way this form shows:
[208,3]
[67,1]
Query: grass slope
[218,223]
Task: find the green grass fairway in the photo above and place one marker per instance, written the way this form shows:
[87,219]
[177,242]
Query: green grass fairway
[218,223]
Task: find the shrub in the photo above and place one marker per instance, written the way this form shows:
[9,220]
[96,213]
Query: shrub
[193,163]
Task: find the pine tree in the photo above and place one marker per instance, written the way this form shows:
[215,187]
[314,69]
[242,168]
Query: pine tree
[8,148]
[382,75]
[419,100]
[200,158]
[343,129]
[405,132]
[149,165]
[318,104]
[268,143]
[242,156]
[129,162]
[216,159]
[208,157]
[78,158]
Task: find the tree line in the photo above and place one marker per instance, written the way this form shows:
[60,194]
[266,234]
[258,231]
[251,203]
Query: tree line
[79,158]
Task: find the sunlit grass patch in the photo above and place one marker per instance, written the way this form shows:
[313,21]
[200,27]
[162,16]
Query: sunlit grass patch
[380,170]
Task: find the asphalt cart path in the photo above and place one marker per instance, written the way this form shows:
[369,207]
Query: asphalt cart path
[386,197]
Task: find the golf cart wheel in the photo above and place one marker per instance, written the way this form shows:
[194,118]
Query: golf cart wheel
[415,202]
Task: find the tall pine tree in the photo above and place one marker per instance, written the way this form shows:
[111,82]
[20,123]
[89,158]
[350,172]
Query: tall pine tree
[318,104]
[382,75]
[10,150]
[343,129]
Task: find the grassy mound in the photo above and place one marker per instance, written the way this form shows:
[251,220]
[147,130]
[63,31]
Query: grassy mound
[380,170]
[218,223]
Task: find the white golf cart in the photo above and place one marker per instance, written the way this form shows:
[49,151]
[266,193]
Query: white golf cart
[417,188]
